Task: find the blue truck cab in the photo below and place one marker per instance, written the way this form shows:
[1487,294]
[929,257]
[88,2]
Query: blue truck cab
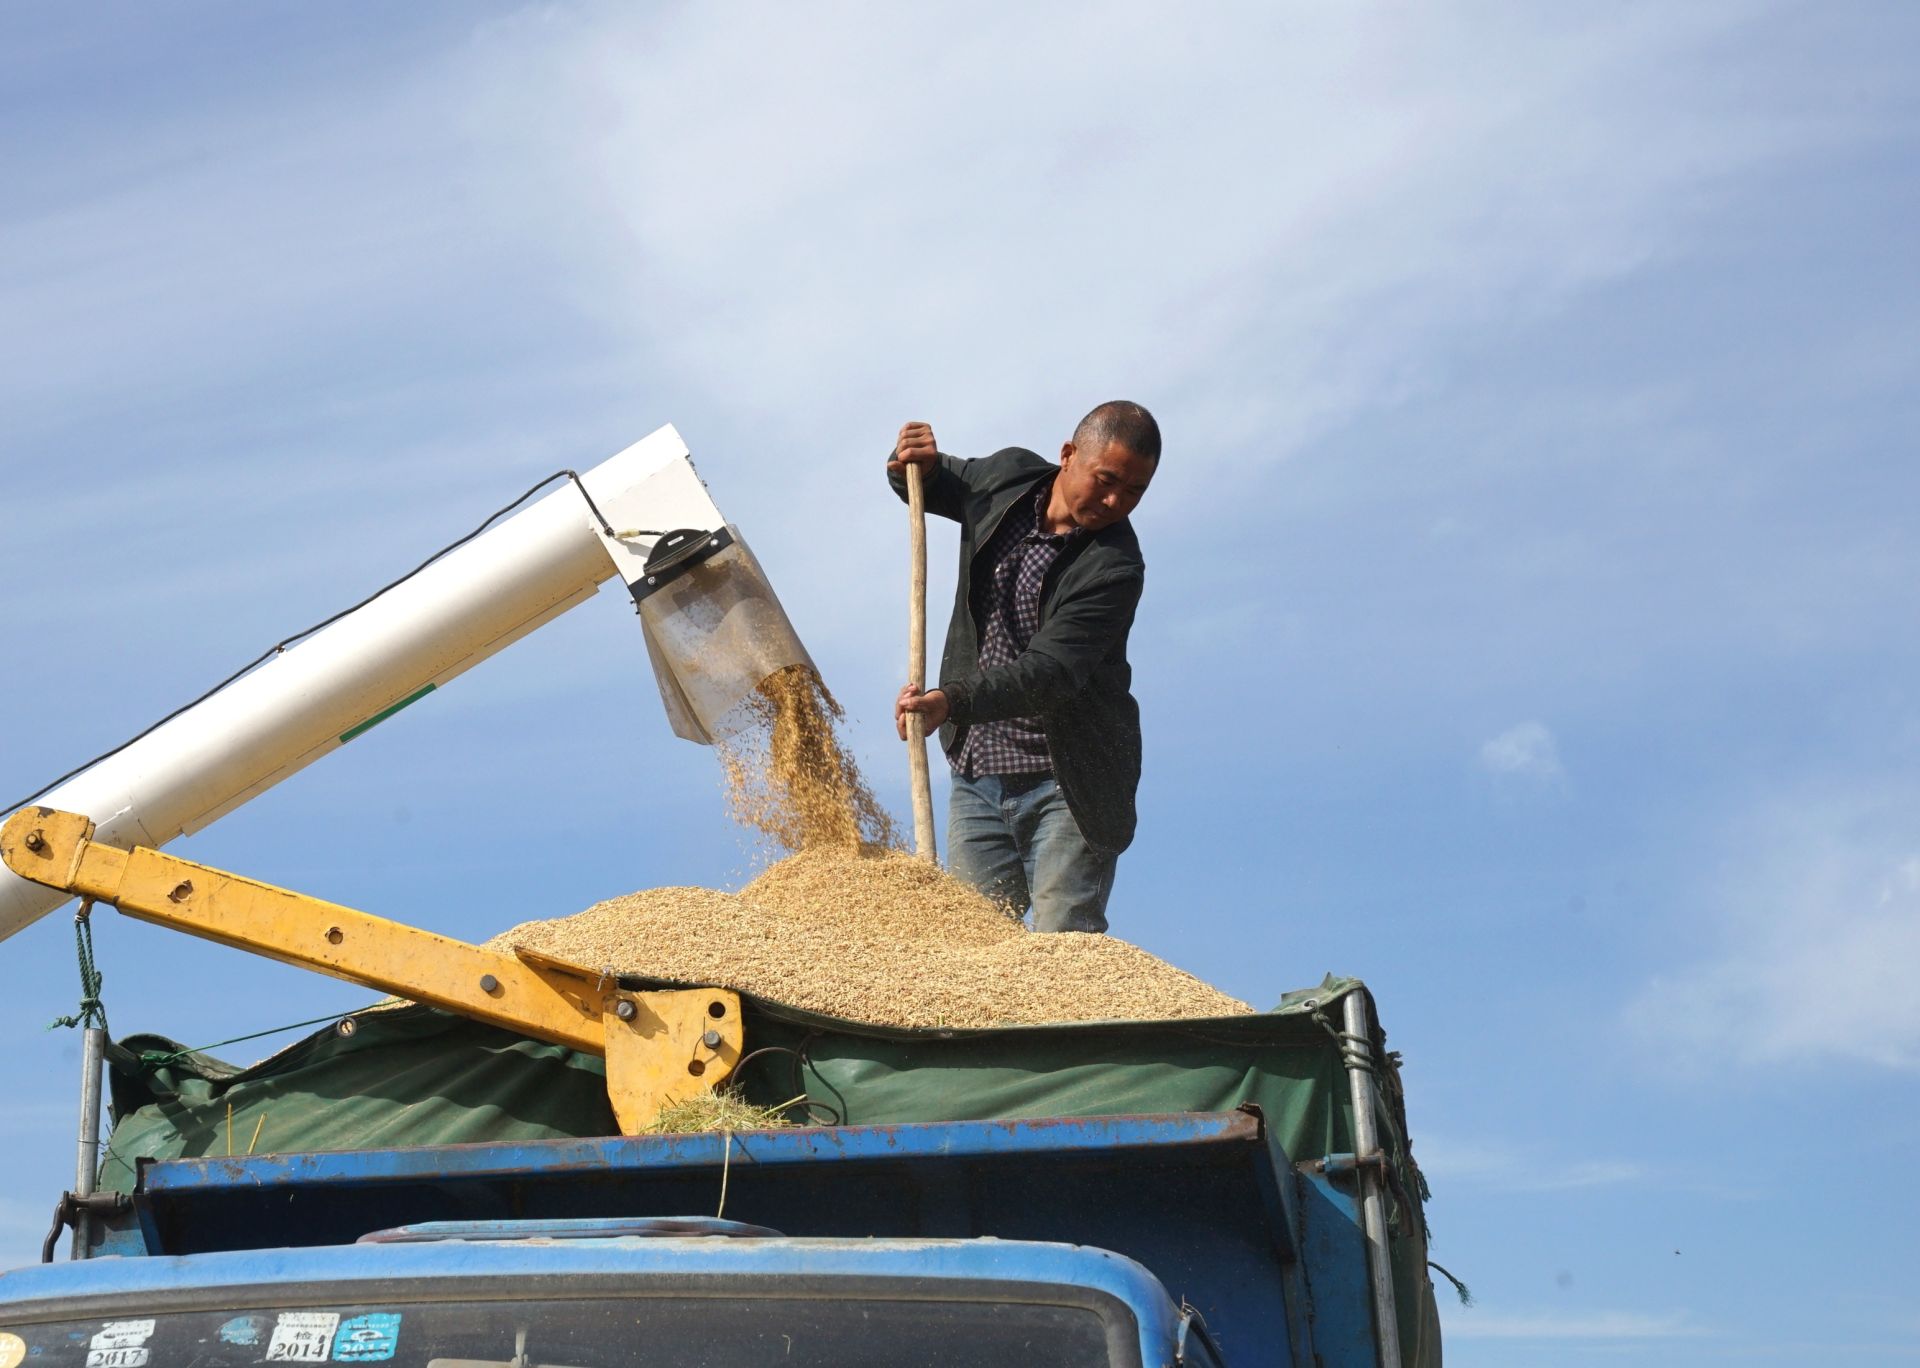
[490,1295]
[1111,1241]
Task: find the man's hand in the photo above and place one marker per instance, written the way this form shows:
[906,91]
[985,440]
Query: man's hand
[932,705]
[914,447]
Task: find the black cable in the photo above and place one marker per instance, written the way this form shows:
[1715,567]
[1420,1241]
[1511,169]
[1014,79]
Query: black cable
[799,1080]
[803,1060]
[752,1055]
[281,646]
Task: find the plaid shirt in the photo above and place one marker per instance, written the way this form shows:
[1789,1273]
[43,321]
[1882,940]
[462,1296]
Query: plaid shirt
[1019,553]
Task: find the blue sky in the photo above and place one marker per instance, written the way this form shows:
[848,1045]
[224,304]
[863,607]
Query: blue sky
[1531,626]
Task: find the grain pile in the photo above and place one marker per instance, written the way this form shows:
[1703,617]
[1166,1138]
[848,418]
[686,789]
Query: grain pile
[876,936]
[849,924]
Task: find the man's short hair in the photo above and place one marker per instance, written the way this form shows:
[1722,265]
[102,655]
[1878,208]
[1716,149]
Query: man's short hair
[1122,421]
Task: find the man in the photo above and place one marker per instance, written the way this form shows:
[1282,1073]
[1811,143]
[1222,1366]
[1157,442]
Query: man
[1033,705]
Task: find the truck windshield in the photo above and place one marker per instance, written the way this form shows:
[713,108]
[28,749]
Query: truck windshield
[607,1332]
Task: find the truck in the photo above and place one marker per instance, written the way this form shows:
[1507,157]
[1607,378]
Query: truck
[462,1176]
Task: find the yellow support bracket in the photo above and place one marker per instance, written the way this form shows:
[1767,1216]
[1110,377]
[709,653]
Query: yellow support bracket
[660,1047]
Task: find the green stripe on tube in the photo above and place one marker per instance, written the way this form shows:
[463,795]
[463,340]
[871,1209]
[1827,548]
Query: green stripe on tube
[385,713]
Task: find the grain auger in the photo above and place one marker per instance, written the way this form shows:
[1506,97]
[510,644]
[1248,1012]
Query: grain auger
[714,630]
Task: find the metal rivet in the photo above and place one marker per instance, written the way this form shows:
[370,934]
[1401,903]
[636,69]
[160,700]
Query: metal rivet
[711,1040]
[625,1010]
[489,984]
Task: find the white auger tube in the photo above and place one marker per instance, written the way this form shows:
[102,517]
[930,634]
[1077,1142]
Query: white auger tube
[330,687]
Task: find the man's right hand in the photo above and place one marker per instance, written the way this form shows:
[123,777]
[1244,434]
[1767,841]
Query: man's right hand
[914,447]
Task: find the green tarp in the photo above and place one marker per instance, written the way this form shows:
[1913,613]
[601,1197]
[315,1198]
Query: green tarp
[408,1075]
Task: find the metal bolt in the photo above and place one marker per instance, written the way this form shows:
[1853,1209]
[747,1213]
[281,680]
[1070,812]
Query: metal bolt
[489,984]
[625,1010]
[711,1040]
[35,841]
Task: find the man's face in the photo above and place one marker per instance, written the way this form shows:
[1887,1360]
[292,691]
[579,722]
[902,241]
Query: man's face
[1102,487]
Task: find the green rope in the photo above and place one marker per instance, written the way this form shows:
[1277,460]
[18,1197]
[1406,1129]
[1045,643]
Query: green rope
[1460,1289]
[93,1011]
[153,1059]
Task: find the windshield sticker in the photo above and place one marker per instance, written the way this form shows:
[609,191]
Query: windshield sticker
[243,1331]
[120,1344]
[12,1350]
[366,1338]
[301,1337]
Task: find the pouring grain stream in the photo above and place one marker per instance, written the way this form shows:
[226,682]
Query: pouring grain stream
[790,778]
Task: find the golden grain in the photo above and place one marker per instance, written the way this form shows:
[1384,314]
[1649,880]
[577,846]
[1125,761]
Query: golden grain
[850,925]
[879,937]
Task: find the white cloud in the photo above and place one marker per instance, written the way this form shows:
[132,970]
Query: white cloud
[1266,218]
[1813,943]
[1264,224]
[231,242]
[1524,753]
[799,229]
[1506,1168]
[1466,1323]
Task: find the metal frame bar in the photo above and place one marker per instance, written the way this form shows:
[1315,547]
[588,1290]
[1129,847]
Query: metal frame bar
[538,1160]
[1358,1054]
[93,1048]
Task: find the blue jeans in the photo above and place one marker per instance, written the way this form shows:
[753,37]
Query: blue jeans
[1012,837]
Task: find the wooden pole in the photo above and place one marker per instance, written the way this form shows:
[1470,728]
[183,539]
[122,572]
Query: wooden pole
[921,781]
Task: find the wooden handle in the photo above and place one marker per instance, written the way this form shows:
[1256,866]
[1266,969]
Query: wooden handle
[920,781]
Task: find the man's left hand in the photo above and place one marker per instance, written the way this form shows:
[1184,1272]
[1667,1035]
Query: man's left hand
[930,704]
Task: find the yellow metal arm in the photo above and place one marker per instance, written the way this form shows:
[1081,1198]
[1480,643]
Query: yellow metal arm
[660,1047]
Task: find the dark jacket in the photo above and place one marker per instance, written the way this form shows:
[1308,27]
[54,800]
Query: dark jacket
[1073,675]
